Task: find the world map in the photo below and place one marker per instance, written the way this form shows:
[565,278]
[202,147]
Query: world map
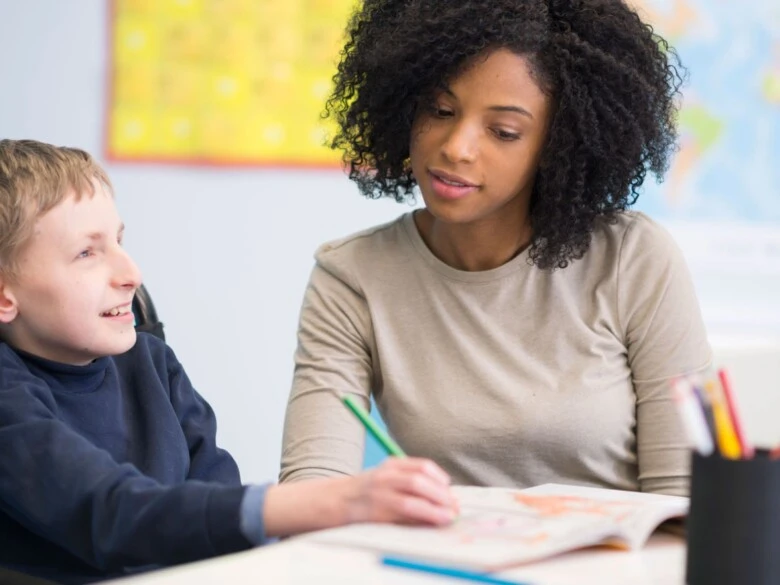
[728,163]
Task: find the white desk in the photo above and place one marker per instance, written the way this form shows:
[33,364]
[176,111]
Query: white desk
[301,562]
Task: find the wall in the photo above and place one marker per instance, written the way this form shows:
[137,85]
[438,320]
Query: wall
[226,254]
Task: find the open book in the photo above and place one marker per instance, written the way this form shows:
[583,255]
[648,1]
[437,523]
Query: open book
[500,528]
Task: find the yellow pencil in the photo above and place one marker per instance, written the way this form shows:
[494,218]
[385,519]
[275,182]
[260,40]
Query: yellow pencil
[728,442]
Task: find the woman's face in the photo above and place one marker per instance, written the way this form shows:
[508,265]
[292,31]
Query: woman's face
[475,148]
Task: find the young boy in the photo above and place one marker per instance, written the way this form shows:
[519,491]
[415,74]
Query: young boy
[108,458]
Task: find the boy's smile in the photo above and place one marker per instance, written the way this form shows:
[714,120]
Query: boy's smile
[72,299]
[122,313]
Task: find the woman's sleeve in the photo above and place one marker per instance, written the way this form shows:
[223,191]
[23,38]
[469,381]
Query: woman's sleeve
[333,357]
[665,338]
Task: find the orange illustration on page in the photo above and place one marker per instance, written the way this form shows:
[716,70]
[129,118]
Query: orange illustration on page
[552,506]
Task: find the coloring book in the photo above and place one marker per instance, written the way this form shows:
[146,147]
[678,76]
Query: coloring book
[500,528]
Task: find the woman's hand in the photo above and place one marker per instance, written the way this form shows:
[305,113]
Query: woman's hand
[402,490]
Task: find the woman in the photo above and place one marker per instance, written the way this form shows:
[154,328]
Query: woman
[524,326]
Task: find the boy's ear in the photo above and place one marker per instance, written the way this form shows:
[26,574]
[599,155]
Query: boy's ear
[8,306]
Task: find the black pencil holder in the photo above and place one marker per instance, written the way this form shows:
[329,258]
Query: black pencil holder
[734,521]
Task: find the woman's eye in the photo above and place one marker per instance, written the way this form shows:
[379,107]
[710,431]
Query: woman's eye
[505,135]
[440,112]
[85,254]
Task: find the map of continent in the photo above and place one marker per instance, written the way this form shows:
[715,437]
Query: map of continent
[728,163]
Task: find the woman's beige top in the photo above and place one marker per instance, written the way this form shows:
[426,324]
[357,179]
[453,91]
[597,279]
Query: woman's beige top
[514,376]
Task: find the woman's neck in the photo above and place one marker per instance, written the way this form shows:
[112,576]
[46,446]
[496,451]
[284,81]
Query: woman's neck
[476,246]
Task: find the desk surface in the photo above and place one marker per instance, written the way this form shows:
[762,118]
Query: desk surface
[299,561]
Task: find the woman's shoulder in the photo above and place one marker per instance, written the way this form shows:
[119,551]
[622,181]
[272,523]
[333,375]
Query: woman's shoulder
[624,222]
[631,233]
[366,248]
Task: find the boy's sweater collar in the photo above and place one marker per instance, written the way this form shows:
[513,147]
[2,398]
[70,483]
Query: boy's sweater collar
[67,377]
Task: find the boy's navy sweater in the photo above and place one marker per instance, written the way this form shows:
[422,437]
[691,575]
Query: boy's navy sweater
[109,468]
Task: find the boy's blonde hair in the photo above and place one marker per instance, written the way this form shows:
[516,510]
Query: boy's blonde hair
[35,177]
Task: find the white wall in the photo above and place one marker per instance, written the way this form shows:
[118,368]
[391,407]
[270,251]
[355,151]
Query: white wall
[226,253]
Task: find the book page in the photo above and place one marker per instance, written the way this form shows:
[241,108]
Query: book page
[636,514]
[500,528]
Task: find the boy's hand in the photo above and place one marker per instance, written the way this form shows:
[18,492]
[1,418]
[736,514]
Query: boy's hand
[403,490]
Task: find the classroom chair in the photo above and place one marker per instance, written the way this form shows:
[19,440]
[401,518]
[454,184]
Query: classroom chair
[145,314]
[9,577]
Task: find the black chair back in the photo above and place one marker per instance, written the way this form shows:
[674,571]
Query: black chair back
[9,577]
[145,314]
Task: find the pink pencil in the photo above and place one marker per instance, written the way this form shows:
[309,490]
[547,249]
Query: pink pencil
[736,420]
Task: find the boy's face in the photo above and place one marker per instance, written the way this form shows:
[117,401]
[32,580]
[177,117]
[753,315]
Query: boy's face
[71,301]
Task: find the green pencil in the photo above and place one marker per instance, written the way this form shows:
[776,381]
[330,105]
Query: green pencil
[390,446]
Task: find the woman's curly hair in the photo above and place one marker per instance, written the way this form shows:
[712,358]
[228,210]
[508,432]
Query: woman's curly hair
[614,86]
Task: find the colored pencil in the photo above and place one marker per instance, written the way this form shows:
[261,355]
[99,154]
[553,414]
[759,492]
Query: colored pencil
[390,446]
[444,571]
[736,419]
[692,413]
[706,407]
[728,444]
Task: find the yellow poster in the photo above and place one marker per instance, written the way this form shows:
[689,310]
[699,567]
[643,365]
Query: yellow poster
[223,82]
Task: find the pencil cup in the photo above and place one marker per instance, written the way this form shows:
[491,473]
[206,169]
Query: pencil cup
[734,521]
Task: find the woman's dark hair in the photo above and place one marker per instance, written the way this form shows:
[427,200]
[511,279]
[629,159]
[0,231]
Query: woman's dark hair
[613,83]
